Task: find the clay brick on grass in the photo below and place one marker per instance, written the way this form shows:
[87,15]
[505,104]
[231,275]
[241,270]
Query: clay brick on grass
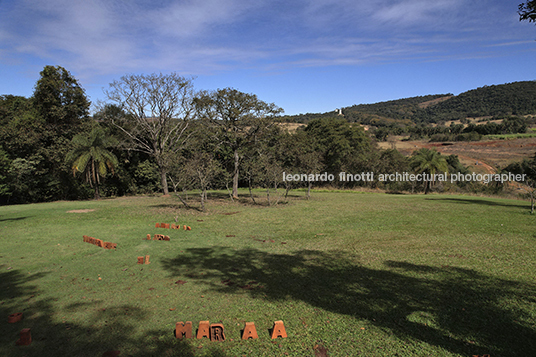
[149,237]
[99,243]
[86,239]
[203,330]
[183,329]
[162,225]
[173,226]
[25,337]
[147,261]
[166,226]
[16,317]
[188,228]
[185,227]
[140,260]
[166,238]
[216,332]
[250,331]
[107,245]
[279,330]
[114,245]
[157,225]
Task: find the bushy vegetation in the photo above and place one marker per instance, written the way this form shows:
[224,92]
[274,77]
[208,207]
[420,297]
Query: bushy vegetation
[157,134]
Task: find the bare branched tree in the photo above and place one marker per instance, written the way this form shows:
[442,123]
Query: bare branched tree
[159,108]
[235,120]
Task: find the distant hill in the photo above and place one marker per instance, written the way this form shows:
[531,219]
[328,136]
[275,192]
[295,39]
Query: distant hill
[518,98]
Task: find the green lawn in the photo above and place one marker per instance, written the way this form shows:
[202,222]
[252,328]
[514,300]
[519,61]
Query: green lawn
[358,274]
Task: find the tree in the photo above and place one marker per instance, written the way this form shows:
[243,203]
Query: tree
[61,101]
[426,161]
[158,109]
[528,168]
[235,120]
[527,11]
[91,157]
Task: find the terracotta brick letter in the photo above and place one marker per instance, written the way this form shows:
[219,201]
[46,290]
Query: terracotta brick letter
[185,227]
[162,225]
[16,317]
[203,330]
[173,226]
[166,226]
[107,245]
[99,243]
[140,260]
[166,238]
[250,331]
[216,332]
[25,337]
[279,330]
[183,330]
[147,262]
[188,228]
[86,239]
[157,225]
[149,237]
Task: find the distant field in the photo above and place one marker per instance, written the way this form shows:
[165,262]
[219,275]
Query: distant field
[355,274]
[495,153]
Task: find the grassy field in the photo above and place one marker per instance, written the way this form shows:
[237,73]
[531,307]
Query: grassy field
[349,274]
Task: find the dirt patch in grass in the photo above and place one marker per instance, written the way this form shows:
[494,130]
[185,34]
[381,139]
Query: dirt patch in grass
[81,211]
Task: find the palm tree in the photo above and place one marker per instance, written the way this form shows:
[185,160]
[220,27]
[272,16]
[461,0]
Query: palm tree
[426,161]
[91,157]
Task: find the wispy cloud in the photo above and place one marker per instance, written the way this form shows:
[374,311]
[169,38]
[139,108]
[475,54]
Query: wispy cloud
[98,36]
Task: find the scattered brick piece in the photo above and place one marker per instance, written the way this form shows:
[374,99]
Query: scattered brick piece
[203,330]
[147,260]
[216,332]
[183,329]
[140,260]
[25,337]
[279,330]
[250,331]
[16,317]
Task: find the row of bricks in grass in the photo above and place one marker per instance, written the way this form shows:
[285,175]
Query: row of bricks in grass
[100,243]
[173,226]
[215,332]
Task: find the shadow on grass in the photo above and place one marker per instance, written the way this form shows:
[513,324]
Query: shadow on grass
[460,310]
[13,219]
[102,330]
[477,201]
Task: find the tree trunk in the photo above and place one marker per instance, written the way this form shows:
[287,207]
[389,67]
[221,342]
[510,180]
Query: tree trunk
[203,194]
[97,193]
[163,181]
[309,184]
[235,175]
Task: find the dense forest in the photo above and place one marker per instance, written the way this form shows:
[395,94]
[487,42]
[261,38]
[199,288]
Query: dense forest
[512,99]
[157,134]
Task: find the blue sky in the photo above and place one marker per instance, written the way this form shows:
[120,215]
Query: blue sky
[302,55]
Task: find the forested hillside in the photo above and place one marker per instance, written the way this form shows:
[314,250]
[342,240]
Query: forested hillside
[511,99]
